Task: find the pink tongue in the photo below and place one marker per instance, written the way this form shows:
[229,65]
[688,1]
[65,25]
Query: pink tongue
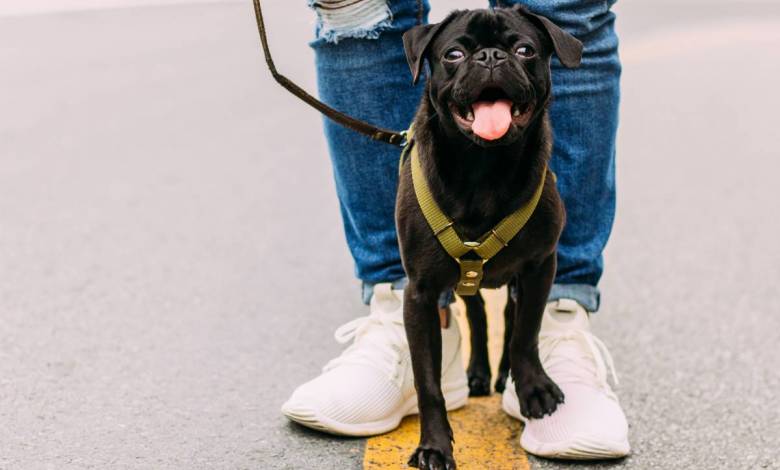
[492,118]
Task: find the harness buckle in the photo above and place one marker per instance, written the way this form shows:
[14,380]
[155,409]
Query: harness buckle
[470,276]
[493,231]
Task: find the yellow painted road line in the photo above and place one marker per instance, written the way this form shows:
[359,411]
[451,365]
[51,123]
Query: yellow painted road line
[485,437]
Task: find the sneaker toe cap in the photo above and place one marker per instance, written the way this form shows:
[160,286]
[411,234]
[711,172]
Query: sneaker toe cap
[588,425]
[343,398]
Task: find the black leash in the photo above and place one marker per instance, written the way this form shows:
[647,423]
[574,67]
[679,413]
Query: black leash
[376,133]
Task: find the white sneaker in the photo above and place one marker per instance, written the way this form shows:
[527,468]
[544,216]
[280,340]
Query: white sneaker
[590,423]
[369,388]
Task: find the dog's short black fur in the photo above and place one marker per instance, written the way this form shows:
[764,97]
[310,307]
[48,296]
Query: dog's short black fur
[503,53]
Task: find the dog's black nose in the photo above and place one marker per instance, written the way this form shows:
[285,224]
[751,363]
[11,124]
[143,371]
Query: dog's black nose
[490,57]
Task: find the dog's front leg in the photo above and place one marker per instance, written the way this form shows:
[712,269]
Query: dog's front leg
[423,332]
[509,321]
[537,393]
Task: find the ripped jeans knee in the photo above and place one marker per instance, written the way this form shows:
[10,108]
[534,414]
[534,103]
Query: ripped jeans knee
[365,19]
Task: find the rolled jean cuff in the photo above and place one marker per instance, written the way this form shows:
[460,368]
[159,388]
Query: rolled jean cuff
[584,294]
[365,19]
[445,299]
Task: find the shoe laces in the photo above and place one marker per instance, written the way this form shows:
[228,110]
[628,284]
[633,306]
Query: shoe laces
[586,360]
[378,341]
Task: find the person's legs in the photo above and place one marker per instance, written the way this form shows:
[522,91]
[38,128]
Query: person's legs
[362,71]
[584,117]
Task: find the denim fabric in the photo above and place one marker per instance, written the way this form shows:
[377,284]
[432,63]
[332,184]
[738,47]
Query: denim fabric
[366,76]
[369,79]
[584,116]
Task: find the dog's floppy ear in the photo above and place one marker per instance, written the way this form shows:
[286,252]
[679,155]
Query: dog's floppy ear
[567,47]
[416,42]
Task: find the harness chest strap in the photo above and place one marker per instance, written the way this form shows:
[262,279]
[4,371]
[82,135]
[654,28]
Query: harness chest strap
[486,247]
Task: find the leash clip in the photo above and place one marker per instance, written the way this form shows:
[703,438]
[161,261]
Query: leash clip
[404,138]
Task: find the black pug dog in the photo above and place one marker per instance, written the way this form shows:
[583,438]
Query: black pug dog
[483,139]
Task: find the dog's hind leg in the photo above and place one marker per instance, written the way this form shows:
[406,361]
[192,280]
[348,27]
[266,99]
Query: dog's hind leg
[509,321]
[423,331]
[479,362]
[537,393]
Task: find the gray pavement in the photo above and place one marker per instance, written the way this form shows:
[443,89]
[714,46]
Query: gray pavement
[160,297]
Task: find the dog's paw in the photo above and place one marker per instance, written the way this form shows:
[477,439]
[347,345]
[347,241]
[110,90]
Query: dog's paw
[479,383]
[501,380]
[538,395]
[432,459]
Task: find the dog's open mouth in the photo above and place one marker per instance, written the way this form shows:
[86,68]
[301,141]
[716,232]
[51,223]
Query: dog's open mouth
[492,114]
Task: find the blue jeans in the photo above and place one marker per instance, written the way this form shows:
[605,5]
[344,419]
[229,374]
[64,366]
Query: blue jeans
[361,70]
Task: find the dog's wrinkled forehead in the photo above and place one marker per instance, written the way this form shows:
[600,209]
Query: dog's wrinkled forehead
[490,28]
[477,29]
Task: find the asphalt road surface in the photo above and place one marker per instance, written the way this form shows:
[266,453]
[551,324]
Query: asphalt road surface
[172,261]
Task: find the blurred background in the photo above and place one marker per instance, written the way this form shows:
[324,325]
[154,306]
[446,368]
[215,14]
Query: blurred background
[159,299]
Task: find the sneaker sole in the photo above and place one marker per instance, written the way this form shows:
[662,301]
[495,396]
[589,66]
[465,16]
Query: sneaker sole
[455,396]
[577,448]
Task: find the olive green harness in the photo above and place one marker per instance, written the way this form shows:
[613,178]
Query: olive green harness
[487,246]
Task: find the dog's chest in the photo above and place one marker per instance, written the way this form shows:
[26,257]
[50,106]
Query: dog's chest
[523,253]
[475,210]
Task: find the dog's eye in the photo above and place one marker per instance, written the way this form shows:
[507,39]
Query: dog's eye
[454,55]
[525,51]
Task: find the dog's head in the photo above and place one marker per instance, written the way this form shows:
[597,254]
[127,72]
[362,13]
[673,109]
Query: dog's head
[490,70]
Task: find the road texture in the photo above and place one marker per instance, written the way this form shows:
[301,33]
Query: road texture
[172,262]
